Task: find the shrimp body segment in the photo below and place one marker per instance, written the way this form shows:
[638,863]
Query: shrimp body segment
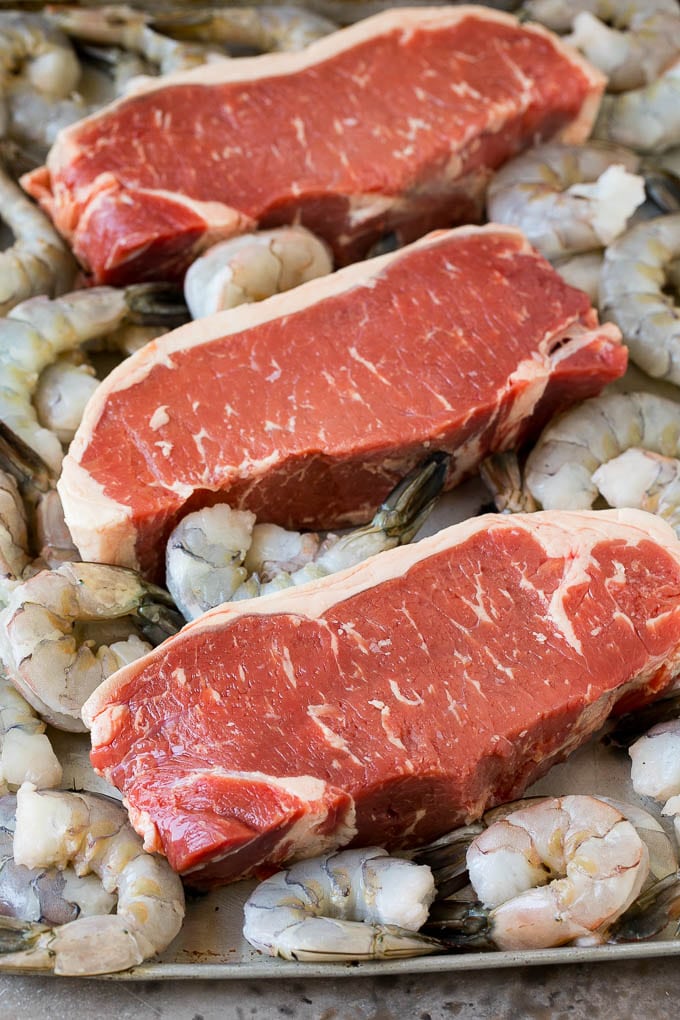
[44,895]
[65,630]
[560,870]
[268,28]
[351,905]
[567,198]
[38,262]
[644,481]
[92,834]
[26,754]
[633,276]
[655,770]
[559,470]
[645,119]
[252,267]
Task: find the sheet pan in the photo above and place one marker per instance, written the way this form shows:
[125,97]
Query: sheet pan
[211,945]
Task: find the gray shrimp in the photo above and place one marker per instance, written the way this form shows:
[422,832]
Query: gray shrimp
[632,281]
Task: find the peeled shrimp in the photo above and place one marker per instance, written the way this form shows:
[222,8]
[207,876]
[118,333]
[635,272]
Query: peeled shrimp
[559,15]
[36,331]
[44,894]
[645,119]
[38,262]
[14,557]
[266,28]
[351,905]
[91,833]
[65,630]
[123,26]
[218,554]
[32,47]
[567,198]
[633,52]
[632,295]
[252,267]
[559,470]
[26,754]
[557,871]
[61,395]
[644,481]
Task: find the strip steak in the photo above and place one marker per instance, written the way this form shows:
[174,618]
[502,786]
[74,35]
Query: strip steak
[392,124]
[308,408]
[394,701]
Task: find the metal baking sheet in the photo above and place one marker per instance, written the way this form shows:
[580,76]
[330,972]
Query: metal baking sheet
[210,944]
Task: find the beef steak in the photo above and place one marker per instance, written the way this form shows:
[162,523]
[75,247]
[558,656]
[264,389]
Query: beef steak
[392,124]
[308,408]
[395,700]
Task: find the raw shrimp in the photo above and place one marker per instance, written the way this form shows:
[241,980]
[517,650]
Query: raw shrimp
[351,905]
[26,753]
[61,394]
[32,47]
[567,198]
[217,554]
[559,470]
[252,267]
[560,870]
[559,15]
[632,295]
[90,832]
[645,119]
[43,894]
[65,630]
[36,331]
[266,28]
[644,481]
[38,262]
[14,557]
[123,26]
[447,856]
[635,51]
[35,524]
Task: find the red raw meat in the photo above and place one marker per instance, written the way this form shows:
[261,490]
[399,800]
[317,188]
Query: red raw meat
[307,408]
[394,701]
[392,124]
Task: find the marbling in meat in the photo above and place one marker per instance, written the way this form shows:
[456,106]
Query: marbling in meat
[392,701]
[392,124]
[308,408]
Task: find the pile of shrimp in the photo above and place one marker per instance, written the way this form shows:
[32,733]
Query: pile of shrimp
[607,215]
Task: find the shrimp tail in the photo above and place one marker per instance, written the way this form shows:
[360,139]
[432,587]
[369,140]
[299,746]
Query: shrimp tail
[410,502]
[460,925]
[18,936]
[32,473]
[156,304]
[159,618]
[653,910]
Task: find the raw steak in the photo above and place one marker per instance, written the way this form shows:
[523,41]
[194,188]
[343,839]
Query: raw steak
[395,700]
[308,407]
[392,124]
